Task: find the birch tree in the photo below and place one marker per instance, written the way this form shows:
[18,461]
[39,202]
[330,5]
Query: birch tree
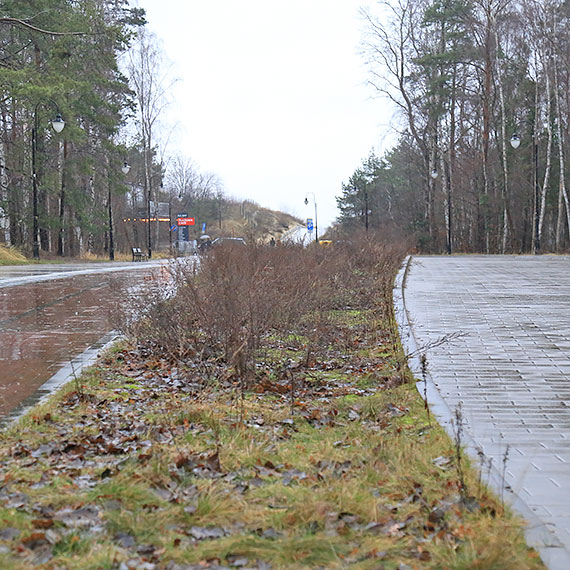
[151,83]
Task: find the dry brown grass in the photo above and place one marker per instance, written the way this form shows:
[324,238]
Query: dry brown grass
[325,458]
[11,256]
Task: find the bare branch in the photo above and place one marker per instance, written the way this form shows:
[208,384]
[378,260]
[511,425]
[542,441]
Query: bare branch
[24,24]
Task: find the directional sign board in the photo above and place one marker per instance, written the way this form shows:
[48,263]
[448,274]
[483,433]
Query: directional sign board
[309,224]
[185,221]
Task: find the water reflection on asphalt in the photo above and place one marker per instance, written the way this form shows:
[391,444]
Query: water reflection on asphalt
[45,324]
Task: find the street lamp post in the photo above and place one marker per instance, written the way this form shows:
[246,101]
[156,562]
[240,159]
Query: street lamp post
[316,224]
[57,124]
[434,174]
[515,143]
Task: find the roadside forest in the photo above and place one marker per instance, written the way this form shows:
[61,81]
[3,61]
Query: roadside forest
[90,187]
[258,414]
[481,92]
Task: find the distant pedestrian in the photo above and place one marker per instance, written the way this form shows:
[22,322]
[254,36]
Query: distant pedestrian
[272,242]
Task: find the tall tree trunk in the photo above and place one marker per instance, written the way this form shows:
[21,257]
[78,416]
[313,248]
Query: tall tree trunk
[148,192]
[562,193]
[45,237]
[451,163]
[546,180]
[431,191]
[90,236]
[17,231]
[486,126]
[505,191]
[535,202]
[4,217]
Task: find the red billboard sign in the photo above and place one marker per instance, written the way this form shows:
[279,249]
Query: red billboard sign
[185,221]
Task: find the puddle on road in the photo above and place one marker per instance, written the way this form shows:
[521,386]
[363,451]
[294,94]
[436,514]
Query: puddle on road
[44,325]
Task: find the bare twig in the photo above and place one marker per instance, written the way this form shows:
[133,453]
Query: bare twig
[24,24]
[437,342]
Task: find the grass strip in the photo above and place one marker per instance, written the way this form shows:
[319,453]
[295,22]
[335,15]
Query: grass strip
[328,465]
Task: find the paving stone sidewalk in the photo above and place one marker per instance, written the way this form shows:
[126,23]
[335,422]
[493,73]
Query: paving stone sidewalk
[509,369]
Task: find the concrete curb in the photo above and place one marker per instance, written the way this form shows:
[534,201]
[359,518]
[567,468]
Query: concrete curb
[64,375]
[97,269]
[537,532]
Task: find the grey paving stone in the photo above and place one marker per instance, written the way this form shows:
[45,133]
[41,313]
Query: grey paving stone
[507,362]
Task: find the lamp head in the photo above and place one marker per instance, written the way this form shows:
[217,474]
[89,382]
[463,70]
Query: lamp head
[306,200]
[515,141]
[58,123]
[434,173]
[126,167]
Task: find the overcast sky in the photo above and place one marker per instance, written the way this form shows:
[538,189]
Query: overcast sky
[272,96]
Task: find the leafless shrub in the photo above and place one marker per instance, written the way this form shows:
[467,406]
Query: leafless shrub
[221,311]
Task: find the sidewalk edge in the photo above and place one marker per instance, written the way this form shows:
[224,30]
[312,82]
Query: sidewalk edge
[537,532]
[64,375]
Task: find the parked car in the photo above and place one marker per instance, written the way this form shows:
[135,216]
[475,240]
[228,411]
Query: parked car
[206,245]
[228,240]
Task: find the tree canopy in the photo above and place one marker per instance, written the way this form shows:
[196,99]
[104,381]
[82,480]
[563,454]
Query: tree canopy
[92,63]
[466,79]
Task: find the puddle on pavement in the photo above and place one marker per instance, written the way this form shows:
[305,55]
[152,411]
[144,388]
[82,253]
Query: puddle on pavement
[45,325]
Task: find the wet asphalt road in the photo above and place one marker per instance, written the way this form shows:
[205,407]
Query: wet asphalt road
[509,370]
[49,314]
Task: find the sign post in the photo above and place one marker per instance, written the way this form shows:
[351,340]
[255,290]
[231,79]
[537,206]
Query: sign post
[182,226]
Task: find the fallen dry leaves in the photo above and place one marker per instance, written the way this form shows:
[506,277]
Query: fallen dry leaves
[149,467]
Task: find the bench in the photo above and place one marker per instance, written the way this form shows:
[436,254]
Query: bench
[138,254]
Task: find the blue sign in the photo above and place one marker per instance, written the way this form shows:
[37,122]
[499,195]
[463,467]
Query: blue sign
[309,224]
[204,228]
[173,228]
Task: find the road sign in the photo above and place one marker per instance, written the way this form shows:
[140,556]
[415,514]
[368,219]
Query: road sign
[185,221]
[309,224]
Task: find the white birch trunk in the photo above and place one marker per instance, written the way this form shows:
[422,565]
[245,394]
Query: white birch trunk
[4,219]
[535,175]
[562,193]
[546,180]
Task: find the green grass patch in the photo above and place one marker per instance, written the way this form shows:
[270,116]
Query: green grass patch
[334,471]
